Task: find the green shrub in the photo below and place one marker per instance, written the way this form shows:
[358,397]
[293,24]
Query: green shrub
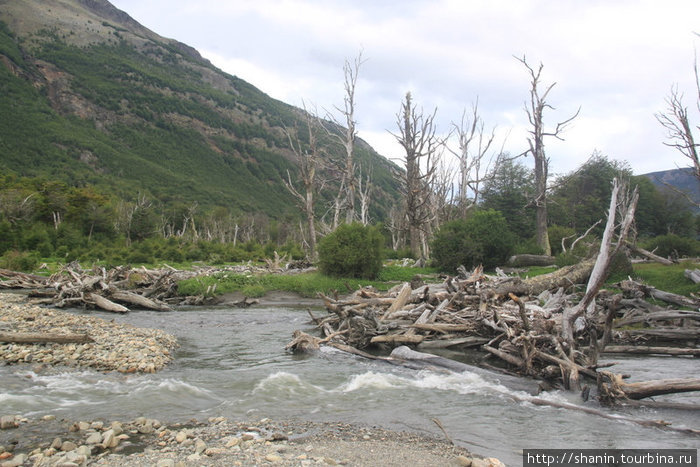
[19,261]
[673,245]
[484,238]
[353,250]
[556,233]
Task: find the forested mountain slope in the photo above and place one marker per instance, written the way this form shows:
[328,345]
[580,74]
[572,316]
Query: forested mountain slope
[90,97]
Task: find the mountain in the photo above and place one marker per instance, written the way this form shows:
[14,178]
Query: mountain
[682,180]
[91,97]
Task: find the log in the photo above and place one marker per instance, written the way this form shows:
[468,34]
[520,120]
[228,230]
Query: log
[395,339]
[659,316]
[651,350]
[400,301]
[649,255]
[139,301]
[667,333]
[659,387]
[44,337]
[105,303]
[631,286]
[470,341]
[519,261]
[693,275]
[564,277]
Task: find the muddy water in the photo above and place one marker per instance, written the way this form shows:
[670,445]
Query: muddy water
[231,362]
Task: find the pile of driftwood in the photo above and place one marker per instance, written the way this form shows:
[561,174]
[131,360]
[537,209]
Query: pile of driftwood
[519,322]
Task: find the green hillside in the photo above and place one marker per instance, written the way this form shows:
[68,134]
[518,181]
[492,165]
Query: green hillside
[90,98]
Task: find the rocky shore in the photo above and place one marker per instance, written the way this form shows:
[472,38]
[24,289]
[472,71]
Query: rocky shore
[219,442]
[114,346]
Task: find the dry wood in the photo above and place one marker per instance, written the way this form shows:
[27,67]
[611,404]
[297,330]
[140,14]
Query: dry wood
[564,277]
[471,341]
[651,350]
[139,301]
[44,337]
[105,303]
[666,315]
[648,254]
[401,300]
[397,339]
[693,275]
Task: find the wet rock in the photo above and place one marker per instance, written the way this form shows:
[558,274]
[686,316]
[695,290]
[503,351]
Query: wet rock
[56,444]
[94,438]
[16,461]
[8,421]
[181,436]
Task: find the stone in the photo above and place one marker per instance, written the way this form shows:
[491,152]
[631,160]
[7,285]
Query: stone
[233,442]
[83,426]
[166,463]
[68,446]
[7,422]
[109,440]
[56,444]
[94,438]
[464,461]
[199,446]
[274,458]
[117,428]
[181,436]
[493,462]
[16,461]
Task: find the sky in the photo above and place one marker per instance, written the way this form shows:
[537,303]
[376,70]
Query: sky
[616,60]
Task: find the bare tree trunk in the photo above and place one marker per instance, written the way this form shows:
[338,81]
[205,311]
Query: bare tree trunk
[535,113]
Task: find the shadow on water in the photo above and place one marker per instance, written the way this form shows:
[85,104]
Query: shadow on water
[232,363]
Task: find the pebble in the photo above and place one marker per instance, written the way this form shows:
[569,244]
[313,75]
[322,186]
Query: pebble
[116,347]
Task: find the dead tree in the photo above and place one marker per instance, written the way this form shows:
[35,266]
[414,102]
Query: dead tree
[346,137]
[607,251]
[473,145]
[308,163]
[417,137]
[535,114]
[680,131]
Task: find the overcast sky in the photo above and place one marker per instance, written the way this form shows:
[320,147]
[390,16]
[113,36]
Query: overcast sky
[615,59]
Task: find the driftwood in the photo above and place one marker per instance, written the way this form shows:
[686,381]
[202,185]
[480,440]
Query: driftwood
[44,337]
[651,350]
[648,254]
[564,277]
[693,275]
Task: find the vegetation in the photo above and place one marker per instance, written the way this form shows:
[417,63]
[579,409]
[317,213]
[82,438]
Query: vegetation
[352,250]
[484,238]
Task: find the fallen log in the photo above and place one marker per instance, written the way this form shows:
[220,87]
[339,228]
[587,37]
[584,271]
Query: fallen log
[651,350]
[397,339]
[667,333]
[665,315]
[471,341]
[44,337]
[105,303]
[635,288]
[693,275]
[660,387]
[564,277]
[649,254]
[139,301]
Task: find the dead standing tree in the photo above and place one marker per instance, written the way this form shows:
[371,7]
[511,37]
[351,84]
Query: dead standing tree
[535,114]
[473,145]
[346,138]
[417,137]
[308,163]
[680,131]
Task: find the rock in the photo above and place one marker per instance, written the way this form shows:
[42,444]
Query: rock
[68,446]
[56,444]
[96,425]
[85,451]
[83,426]
[233,442]
[493,462]
[16,461]
[109,440]
[181,436]
[464,461]
[274,458]
[94,438]
[7,422]
[166,463]
[117,428]
[199,446]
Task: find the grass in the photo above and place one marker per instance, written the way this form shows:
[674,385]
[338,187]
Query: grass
[306,284]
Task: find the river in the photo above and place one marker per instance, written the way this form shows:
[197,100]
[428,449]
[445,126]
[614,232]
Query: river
[231,362]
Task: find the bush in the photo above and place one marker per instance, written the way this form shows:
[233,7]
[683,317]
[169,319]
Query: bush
[484,239]
[353,250]
[672,245]
[19,261]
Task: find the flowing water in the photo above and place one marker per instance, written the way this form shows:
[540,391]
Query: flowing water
[232,363]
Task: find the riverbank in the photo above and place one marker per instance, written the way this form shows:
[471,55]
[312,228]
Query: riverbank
[114,347]
[220,442]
